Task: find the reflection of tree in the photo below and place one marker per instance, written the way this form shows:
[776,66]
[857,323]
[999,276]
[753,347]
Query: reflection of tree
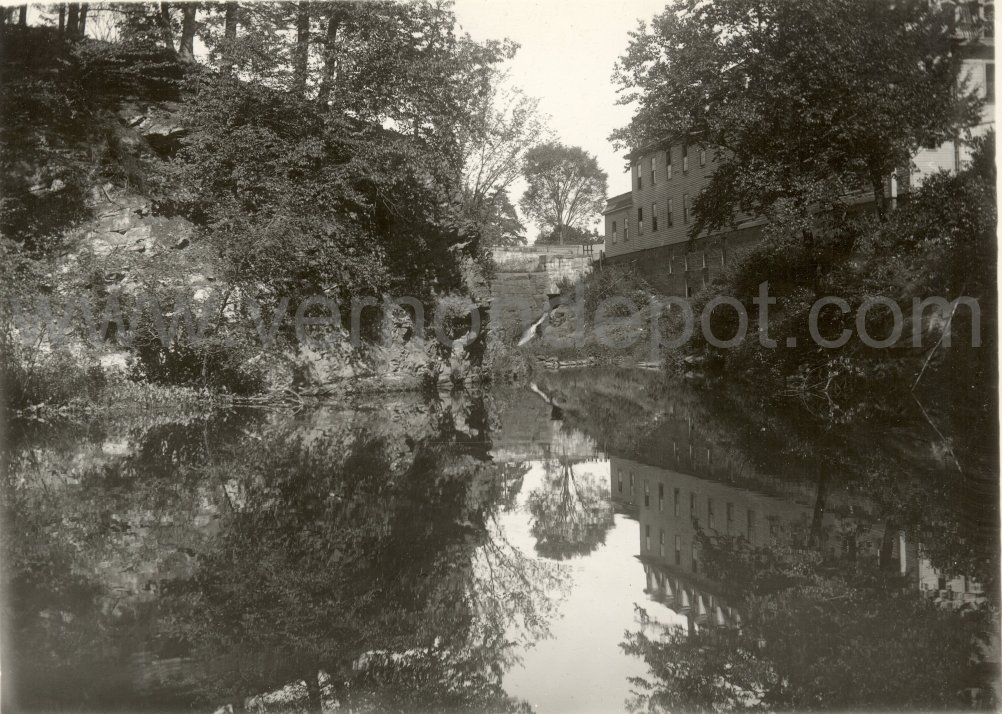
[813,637]
[571,514]
[330,558]
[366,568]
[698,671]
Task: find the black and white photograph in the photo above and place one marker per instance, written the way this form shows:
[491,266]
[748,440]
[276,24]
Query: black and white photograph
[499,356]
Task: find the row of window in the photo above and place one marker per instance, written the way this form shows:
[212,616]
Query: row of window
[711,513]
[638,168]
[678,548]
[655,215]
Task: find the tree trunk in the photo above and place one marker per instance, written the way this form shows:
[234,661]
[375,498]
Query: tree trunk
[22,19]
[82,21]
[877,183]
[820,499]
[887,546]
[186,48]
[330,57]
[230,35]
[560,233]
[73,19]
[302,56]
[62,18]
[313,693]
[163,23]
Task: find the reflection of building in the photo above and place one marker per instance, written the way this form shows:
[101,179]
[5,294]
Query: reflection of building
[697,600]
[698,487]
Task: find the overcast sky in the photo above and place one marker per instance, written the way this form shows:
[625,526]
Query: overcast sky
[566,57]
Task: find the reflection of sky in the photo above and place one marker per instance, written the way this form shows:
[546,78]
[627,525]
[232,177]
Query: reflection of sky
[581,668]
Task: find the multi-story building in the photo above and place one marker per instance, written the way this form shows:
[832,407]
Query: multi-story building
[652,221]
[649,225]
[975,36]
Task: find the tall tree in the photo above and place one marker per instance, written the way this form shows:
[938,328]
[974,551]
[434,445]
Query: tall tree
[807,101]
[164,25]
[301,57]
[566,186]
[505,123]
[229,36]
[186,46]
[72,19]
[82,20]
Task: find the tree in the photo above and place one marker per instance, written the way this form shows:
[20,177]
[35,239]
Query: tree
[566,186]
[498,223]
[504,124]
[806,102]
[186,46]
[302,53]
[572,236]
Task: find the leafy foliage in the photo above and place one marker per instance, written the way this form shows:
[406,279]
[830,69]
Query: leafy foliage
[566,187]
[805,102]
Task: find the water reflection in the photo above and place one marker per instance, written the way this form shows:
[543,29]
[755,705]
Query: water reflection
[200,565]
[487,552]
[814,588]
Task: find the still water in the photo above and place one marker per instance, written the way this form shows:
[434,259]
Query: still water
[595,541]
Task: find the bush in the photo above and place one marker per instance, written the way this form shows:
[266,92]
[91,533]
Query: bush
[209,362]
[31,378]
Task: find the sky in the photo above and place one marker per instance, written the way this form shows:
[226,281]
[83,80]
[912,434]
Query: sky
[566,57]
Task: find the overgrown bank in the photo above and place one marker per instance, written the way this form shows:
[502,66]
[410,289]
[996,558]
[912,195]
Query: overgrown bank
[134,177]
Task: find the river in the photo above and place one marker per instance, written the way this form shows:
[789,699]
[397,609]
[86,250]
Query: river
[595,541]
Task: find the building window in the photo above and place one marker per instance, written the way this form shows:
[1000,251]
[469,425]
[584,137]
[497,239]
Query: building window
[668,163]
[990,82]
[678,498]
[620,481]
[654,170]
[614,231]
[640,221]
[632,491]
[695,559]
[654,218]
[678,550]
[704,258]
[640,176]
[647,494]
[670,260]
[661,497]
[647,538]
[671,213]
[685,158]
[661,543]
[702,157]
[685,210]
[626,229]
